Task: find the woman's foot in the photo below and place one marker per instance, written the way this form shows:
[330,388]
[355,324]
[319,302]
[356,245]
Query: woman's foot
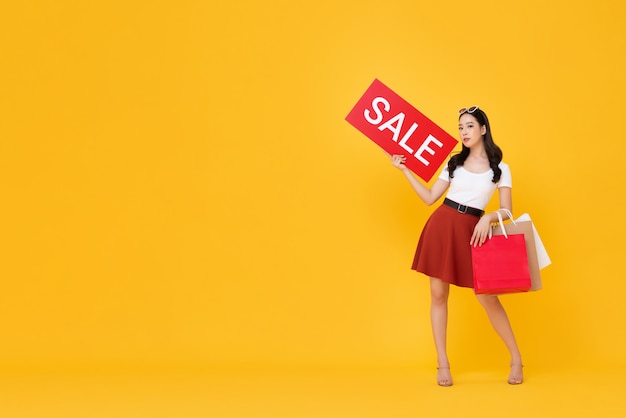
[444,378]
[517,374]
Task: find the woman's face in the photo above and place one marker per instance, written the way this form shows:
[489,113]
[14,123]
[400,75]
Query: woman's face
[470,130]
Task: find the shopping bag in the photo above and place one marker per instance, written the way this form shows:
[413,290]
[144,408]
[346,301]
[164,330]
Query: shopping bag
[501,265]
[542,255]
[537,255]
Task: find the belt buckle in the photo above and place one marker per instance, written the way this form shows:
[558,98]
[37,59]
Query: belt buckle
[458,209]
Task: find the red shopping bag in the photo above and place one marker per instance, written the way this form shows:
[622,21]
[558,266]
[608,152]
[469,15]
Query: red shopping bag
[501,265]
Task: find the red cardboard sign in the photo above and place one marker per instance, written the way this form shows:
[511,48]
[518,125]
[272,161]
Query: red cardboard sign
[399,128]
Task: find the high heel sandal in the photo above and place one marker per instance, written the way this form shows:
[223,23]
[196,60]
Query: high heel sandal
[516,380]
[444,382]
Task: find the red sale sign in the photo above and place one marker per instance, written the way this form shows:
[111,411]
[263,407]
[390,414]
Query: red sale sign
[399,128]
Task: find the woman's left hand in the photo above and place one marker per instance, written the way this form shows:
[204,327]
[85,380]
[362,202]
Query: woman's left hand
[481,231]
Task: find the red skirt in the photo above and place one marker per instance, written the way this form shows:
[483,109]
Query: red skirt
[443,250]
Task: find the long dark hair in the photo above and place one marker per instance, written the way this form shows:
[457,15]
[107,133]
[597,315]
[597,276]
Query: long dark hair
[494,153]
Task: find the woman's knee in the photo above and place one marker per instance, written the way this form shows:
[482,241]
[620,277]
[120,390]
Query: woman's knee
[489,301]
[439,291]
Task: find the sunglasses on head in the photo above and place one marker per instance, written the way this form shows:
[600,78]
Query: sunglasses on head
[468,110]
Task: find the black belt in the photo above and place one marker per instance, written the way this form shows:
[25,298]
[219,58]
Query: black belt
[463,208]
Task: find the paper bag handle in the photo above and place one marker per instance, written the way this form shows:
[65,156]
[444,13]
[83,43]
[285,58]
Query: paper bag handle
[501,222]
[508,212]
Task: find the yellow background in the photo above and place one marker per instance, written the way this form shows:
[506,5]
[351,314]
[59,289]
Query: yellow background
[180,188]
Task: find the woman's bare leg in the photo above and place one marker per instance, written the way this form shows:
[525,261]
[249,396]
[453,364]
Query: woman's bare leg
[500,322]
[439,291]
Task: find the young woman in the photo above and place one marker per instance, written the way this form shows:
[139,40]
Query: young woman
[443,252]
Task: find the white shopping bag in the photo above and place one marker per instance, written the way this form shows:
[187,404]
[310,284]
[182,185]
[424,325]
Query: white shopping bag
[542,254]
